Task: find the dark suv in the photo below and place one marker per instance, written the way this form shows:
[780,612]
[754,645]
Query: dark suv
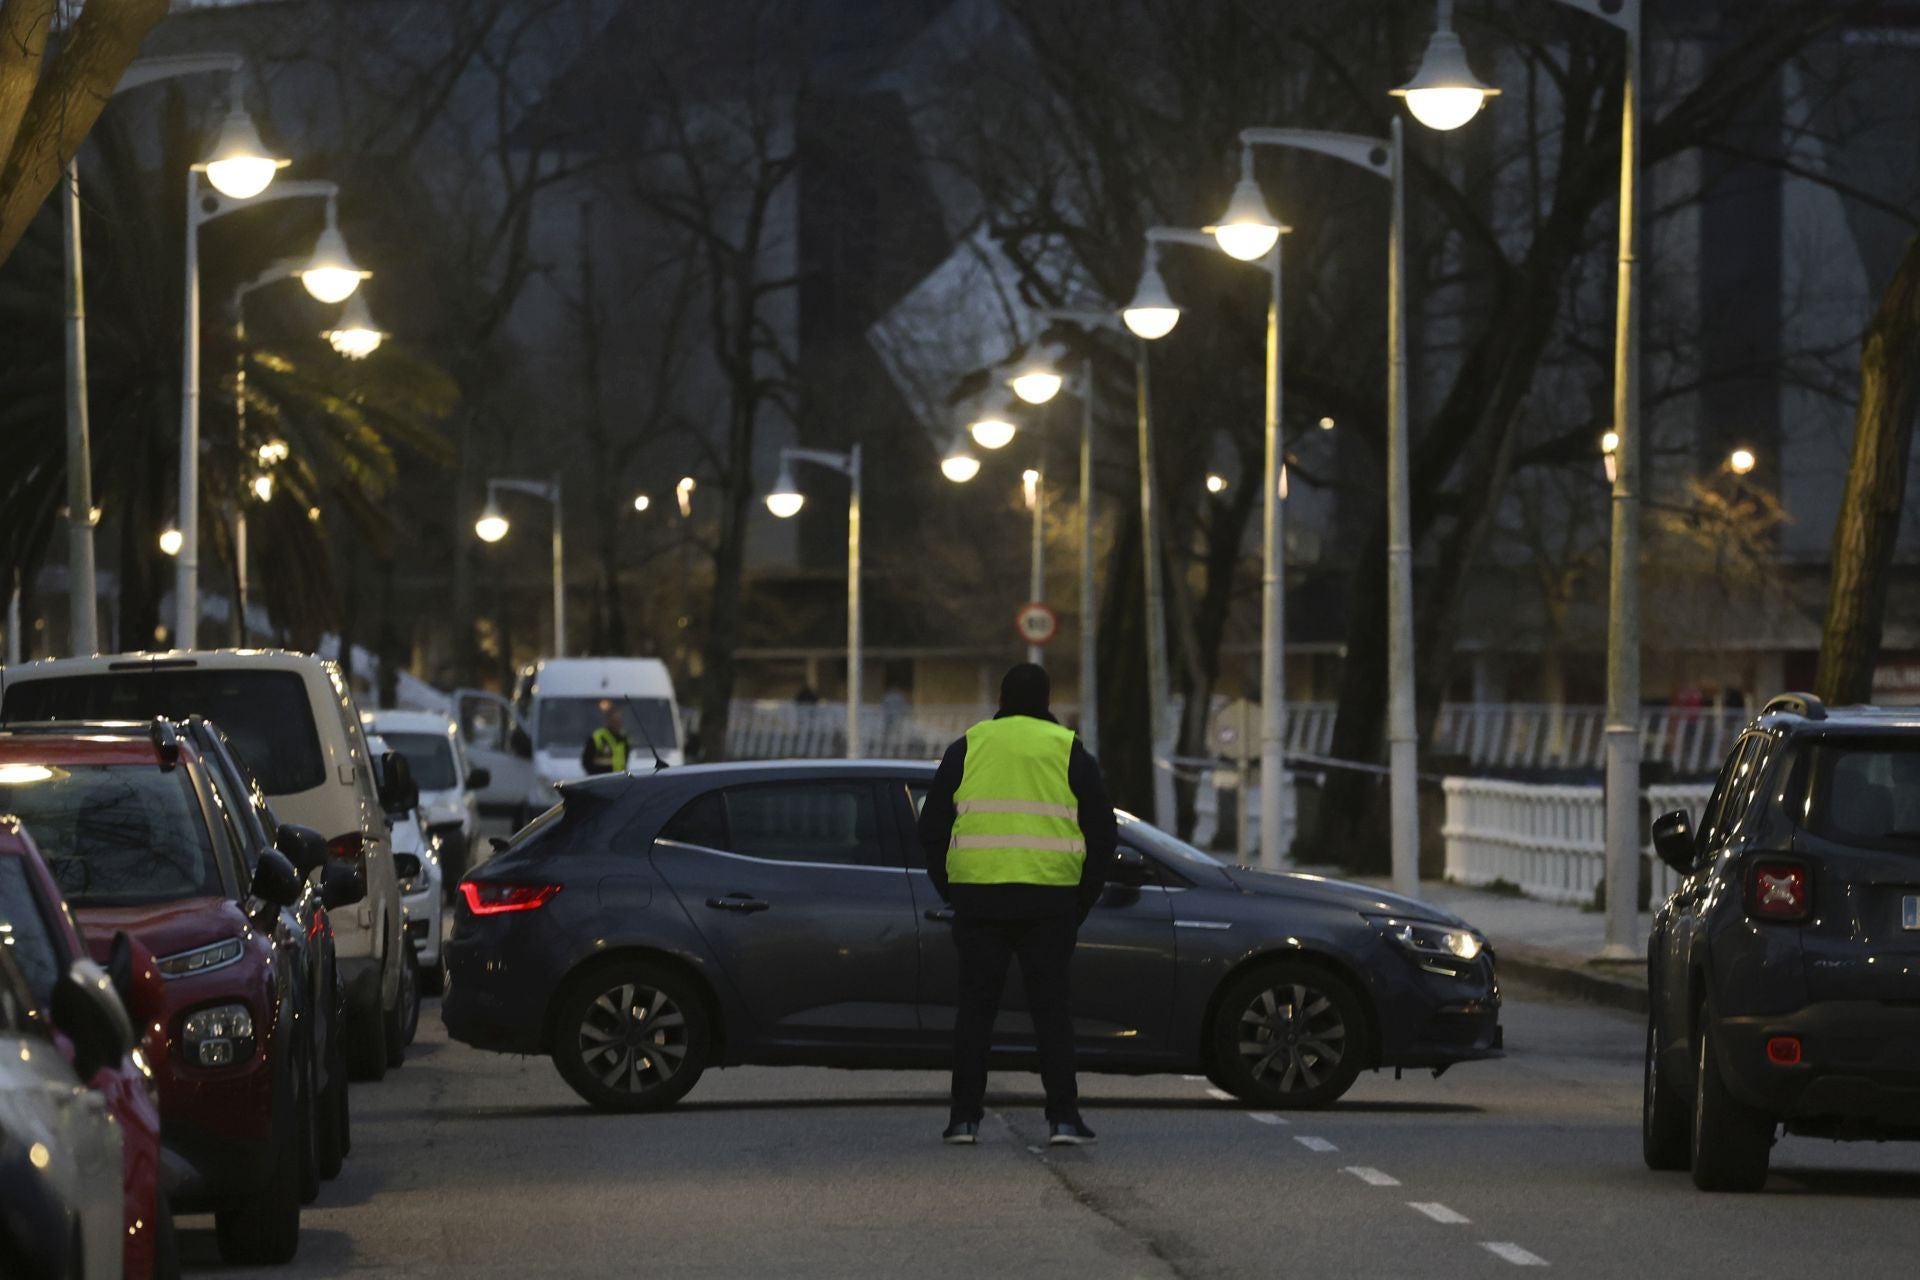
[1785,972]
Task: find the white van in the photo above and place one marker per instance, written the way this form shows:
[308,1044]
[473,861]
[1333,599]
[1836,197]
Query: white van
[535,742]
[292,719]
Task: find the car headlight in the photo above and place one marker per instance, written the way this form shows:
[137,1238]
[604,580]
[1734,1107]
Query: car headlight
[184,964]
[219,1036]
[1431,939]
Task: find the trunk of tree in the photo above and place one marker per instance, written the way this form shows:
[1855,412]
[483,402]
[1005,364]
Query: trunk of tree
[1869,524]
[1125,759]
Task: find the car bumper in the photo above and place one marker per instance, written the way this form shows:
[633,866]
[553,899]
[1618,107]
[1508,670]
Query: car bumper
[494,1000]
[1433,1020]
[216,1132]
[1859,1064]
[423,920]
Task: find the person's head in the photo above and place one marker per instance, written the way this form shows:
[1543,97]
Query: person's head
[610,713]
[1025,691]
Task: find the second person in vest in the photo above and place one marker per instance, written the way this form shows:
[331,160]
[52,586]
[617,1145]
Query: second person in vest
[607,748]
[1019,836]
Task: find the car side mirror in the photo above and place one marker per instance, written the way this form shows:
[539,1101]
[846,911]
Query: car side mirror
[88,1012]
[276,879]
[1129,868]
[341,886]
[406,866]
[398,791]
[479,779]
[1673,839]
[522,745]
[304,847]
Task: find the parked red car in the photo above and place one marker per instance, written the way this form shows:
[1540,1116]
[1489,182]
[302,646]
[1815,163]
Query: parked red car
[44,944]
[136,839]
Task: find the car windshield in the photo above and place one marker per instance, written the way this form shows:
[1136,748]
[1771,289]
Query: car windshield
[429,755]
[1862,791]
[118,835]
[264,713]
[566,723]
[1153,840]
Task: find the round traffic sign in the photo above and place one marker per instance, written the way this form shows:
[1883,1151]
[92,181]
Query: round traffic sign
[1036,623]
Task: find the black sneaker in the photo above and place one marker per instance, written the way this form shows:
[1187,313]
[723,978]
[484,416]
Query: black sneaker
[1073,1133]
[961,1133]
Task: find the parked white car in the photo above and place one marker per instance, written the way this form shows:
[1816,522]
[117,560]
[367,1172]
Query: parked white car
[292,719]
[448,783]
[416,861]
[534,743]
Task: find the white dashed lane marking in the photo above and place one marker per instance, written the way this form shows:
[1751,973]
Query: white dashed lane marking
[1439,1213]
[1266,1117]
[1372,1177]
[1315,1144]
[1513,1253]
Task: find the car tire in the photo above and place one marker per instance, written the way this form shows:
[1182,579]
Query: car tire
[264,1228]
[406,1010]
[1288,1036]
[366,1049]
[329,1147]
[1731,1140]
[631,1036]
[1665,1123]
[166,1245]
[433,978]
[308,1119]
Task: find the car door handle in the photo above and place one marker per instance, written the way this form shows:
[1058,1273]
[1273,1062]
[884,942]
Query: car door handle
[943,916]
[745,904]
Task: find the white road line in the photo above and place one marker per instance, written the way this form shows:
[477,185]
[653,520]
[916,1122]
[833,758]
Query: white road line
[1372,1177]
[1193,1079]
[1439,1213]
[1221,1095]
[1267,1117]
[1513,1253]
[1314,1144]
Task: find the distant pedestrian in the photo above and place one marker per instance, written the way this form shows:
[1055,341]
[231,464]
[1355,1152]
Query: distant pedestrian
[607,748]
[1019,836]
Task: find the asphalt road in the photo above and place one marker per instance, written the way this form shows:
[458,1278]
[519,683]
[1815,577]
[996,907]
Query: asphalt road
[471,1164]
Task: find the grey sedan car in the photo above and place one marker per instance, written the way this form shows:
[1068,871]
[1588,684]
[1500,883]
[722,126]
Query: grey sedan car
[649,928]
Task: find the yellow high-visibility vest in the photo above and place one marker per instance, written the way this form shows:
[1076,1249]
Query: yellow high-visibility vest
[1018,819]
[609,746]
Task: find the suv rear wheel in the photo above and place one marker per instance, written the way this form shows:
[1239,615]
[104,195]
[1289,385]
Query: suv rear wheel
[1288,1035]
[1731,1140]
[1664,1123]
[631,1036]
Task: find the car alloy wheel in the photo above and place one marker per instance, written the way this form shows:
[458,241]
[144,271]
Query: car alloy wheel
[633,1038]
[1289,1035]
[631,1035]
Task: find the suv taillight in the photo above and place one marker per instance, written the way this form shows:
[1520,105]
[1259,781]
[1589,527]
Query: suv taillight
[490,899]
[1779,890]
[349,848]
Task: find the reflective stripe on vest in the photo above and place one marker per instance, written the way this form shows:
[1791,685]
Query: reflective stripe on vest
[1016,815]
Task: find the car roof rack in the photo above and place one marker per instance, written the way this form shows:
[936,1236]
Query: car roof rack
[1796,704]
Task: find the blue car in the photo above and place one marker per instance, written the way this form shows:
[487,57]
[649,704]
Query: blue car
[649,928]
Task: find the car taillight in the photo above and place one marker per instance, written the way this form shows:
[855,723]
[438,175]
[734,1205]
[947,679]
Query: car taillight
[1779,890]
[485,898]
[349,848]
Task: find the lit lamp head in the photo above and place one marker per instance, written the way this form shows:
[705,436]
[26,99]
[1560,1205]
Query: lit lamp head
[1444,93]
[1247,230]
[1152,313]
[330,275]
[1610,454]
[641,502]
[786,499]
[263,487]
[992,431]
[491,526]
[959,465]
[171,540]
[355,336]
[1741,461]
[1036,382]
[239,166]
[1216,483]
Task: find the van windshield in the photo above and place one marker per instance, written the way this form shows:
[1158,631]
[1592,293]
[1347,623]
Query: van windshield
[567,723]
[265,713]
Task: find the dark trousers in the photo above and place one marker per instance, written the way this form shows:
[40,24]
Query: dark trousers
[1045,949]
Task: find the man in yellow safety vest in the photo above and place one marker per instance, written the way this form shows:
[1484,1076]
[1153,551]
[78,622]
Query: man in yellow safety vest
[1019,836]
[606,750]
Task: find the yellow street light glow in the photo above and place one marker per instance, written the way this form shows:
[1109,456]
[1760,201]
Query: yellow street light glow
[1444,93]
[263,487]
[1741,461]
[1035,384]
[1152,313]
[171,540]
[1247,230]
[1326,424]
[683,491]
[330,275]
[239,166]
[641,502]
[786,499]
[355,336]
[992,433]
[959,466]
[1216,483]
[491,526]
[1610,442]
[273,451]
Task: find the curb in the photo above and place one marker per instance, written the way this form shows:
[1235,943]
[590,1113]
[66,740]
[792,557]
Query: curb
[1568,976]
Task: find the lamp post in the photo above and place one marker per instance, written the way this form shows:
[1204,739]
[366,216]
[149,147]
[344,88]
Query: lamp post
[1245,216]
[785,501]
[328,275]
[493,525]
[235,170]
[1036,498]
[1444,94]
[1241,230]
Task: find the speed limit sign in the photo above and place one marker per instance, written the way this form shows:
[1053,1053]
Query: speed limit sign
[1036,623]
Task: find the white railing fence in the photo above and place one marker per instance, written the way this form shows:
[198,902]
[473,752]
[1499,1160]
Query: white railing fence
[1547,842]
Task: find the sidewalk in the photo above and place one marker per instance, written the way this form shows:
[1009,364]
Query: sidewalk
[1540,943]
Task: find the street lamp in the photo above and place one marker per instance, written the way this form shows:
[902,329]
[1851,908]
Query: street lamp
[355,335]
[1444,93]
[641,502]
[238,165]
[992,431]
[1741,461]
[1152,313]
[1384,158]
[1247,231]
[170,542]
[959,465]
[1623,587]
[330,275]
[492,526]
[785,502]
[1216,483]
[1037,381]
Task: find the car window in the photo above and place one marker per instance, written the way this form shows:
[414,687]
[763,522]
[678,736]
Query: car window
[17,1002]
[821,821]
[702,821]
[1713,819]
[1861,791]
[429,755]
[265,713]
[1177,854]
[233,832]
[116,835]
[25,934]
